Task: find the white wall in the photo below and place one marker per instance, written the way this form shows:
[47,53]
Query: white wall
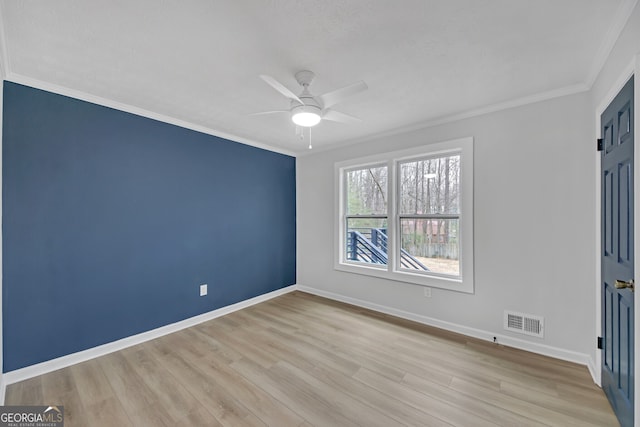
[534,218]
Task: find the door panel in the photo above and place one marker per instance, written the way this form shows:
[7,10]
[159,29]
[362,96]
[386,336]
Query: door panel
[607,200]
[624,226]
[624,373]
[617,254]
[608,332]
[607,135]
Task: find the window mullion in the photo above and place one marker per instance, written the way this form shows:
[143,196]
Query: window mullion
[343,210]
[393,212]
[366,216]
[429,216]
[422,247]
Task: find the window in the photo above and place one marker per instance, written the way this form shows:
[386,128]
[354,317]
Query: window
[429,214]
[408,215]
[366,215]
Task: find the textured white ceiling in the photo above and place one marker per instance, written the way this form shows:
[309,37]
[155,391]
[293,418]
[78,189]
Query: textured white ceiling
[198,61]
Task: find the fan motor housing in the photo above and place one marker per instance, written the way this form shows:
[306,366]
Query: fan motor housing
[308,101]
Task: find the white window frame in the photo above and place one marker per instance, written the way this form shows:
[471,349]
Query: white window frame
[392,271]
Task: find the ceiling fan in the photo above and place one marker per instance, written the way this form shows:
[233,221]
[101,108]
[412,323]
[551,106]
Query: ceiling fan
[307,110]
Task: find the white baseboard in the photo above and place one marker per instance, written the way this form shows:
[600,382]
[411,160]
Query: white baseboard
[594,371]
[81,356]
[72,359]
[545,350]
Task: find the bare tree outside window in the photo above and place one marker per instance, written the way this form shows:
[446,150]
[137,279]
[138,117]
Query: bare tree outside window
[366,219]
[407,215]
[429,212]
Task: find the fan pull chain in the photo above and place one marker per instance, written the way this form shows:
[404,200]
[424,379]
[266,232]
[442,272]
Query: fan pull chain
[300,133]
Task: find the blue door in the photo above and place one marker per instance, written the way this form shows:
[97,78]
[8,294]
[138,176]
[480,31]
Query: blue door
[617,254]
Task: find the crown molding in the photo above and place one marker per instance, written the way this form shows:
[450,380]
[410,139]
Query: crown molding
[94,99]
[621,17]
[517,102]
[620,20]
[615,29]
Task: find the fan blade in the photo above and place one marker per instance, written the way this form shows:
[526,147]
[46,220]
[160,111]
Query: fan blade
[333,97]
[337,116]
[270,112]
[280,88]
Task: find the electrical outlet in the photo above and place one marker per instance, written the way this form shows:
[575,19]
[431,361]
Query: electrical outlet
[427,292]
[203,290]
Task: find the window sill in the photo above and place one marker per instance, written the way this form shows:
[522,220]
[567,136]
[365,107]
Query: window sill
[451,284]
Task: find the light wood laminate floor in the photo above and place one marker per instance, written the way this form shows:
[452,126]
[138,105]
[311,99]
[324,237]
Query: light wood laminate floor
[301,360]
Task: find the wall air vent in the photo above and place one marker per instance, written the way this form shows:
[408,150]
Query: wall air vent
[521,323]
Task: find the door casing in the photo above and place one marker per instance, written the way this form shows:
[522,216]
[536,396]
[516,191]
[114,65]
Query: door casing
[632,69]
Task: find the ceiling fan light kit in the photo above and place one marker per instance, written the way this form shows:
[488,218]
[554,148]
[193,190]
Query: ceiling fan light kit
[306,115]
[307,110]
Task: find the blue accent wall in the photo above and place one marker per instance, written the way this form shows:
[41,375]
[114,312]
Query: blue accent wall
[111,221]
